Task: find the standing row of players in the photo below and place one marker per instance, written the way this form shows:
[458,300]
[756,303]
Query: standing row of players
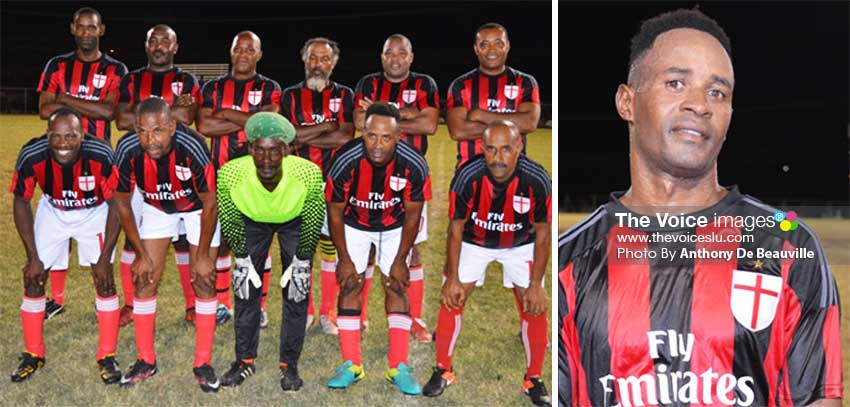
[324,115]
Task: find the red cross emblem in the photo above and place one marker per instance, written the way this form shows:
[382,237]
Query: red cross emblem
[334,104]
[98,80]
[183,173]
[408,95]
[397,183]
[754,298]
[255,96]
[86,183]
[511,91]
[522,204]
[177,88]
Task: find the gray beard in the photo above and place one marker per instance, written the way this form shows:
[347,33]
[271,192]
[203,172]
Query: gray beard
[317,84]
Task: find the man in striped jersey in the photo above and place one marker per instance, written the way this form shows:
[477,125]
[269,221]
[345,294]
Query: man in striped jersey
[77,176]
[417,98]
[500,206]
[160,78]
[716,304]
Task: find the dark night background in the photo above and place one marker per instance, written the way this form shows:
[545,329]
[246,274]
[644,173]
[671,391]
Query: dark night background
[442,35]
[790,101]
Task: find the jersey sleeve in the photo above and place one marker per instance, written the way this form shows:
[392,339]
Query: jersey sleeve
[126,89]
[541,199]
[23,178]
[346,112]
[419,185]
[429,96]
[814,357]
[565,395]
[338,185]
[530,90]
[313,212]
[362,90]
[50,78]
[231,220]
[460,198]
[271,94]
[287,105]
[117,72]
[454,98]
[190,82]
[208,95]
[202,168]
[124,164]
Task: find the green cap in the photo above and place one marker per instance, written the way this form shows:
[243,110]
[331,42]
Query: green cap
[269,125]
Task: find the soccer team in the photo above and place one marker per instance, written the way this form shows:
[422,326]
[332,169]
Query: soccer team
[282,162]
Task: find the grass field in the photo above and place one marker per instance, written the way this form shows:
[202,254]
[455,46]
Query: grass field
[835,238]
[489,359]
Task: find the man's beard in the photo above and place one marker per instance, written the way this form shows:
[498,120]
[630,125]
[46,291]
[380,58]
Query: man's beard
[317,83]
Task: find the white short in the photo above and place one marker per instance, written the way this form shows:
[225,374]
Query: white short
[54,228]
[136,202]
[423,225]
[516,263]
[156,224]
[386,244]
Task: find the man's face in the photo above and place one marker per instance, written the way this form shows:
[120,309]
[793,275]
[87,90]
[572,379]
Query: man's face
[268,153]
[87,30]
[683,103]
[245,53]
[396,58]
[501,152]
[64,138]
[161,46]
[380,138]
[491,47]
[319,65]
[155,132]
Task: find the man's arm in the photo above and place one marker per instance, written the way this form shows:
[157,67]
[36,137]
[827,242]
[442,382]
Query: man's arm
[184,109]
[452,294]
[409,229]
[415,121]
[535,301]
[128,221]
[213,126]
[124,117]
[329,134]
[827,403]
[34,275]
[95,109]
[312,215]
[47,105]
[209,217]
[240,118]
[462,129]
[526,117]
[345,272]
[104,283]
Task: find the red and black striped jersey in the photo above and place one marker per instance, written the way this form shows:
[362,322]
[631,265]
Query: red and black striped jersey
[306,107]
[500,215]
[86,183]
[143,83]
[502,93]
[374,195]
[244,95]
[417,91]
[172,182]
[727,312]
[85,80]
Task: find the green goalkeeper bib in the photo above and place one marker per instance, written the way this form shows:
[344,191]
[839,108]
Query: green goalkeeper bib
[281,205]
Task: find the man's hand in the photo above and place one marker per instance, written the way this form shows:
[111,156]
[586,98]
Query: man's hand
[185,99]
[243,274]
[399,275]
[453,295]
[297,275]
[534,302]
[142,269]
[473,115]
[34,272]
[346,274]
[203,270]
[365,103]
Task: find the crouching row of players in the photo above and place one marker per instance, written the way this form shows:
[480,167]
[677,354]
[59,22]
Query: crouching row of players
[374,193]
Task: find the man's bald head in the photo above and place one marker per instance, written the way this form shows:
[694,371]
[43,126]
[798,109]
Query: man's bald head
[161,28]
[503,125]
[249,35]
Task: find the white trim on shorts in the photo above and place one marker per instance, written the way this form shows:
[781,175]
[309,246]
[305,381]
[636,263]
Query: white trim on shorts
[422,235]
[516,263]
[156,224]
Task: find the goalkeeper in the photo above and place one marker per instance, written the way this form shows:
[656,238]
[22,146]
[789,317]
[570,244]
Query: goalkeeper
[265,193]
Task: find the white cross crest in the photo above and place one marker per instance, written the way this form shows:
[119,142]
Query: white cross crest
[255,96]
[98,80]
[86,183]
[511,91]
[397,183]
[522,204]
[177,88]
[183,173]
[334,104]
[754,298]
[408,95]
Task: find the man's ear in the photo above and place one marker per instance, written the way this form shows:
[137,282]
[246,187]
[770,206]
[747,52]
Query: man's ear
[624,102]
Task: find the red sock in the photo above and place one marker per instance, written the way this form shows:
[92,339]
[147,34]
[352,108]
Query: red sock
[448,330]
[364,295]
[416,290]
[267,275]
[534,340]
[144,323]
[127,258]
[399,327]
[222,281]
[349,336]
[107,325]
[204,330]
[330,288]
[32,322]
[57,285]
[182,260]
